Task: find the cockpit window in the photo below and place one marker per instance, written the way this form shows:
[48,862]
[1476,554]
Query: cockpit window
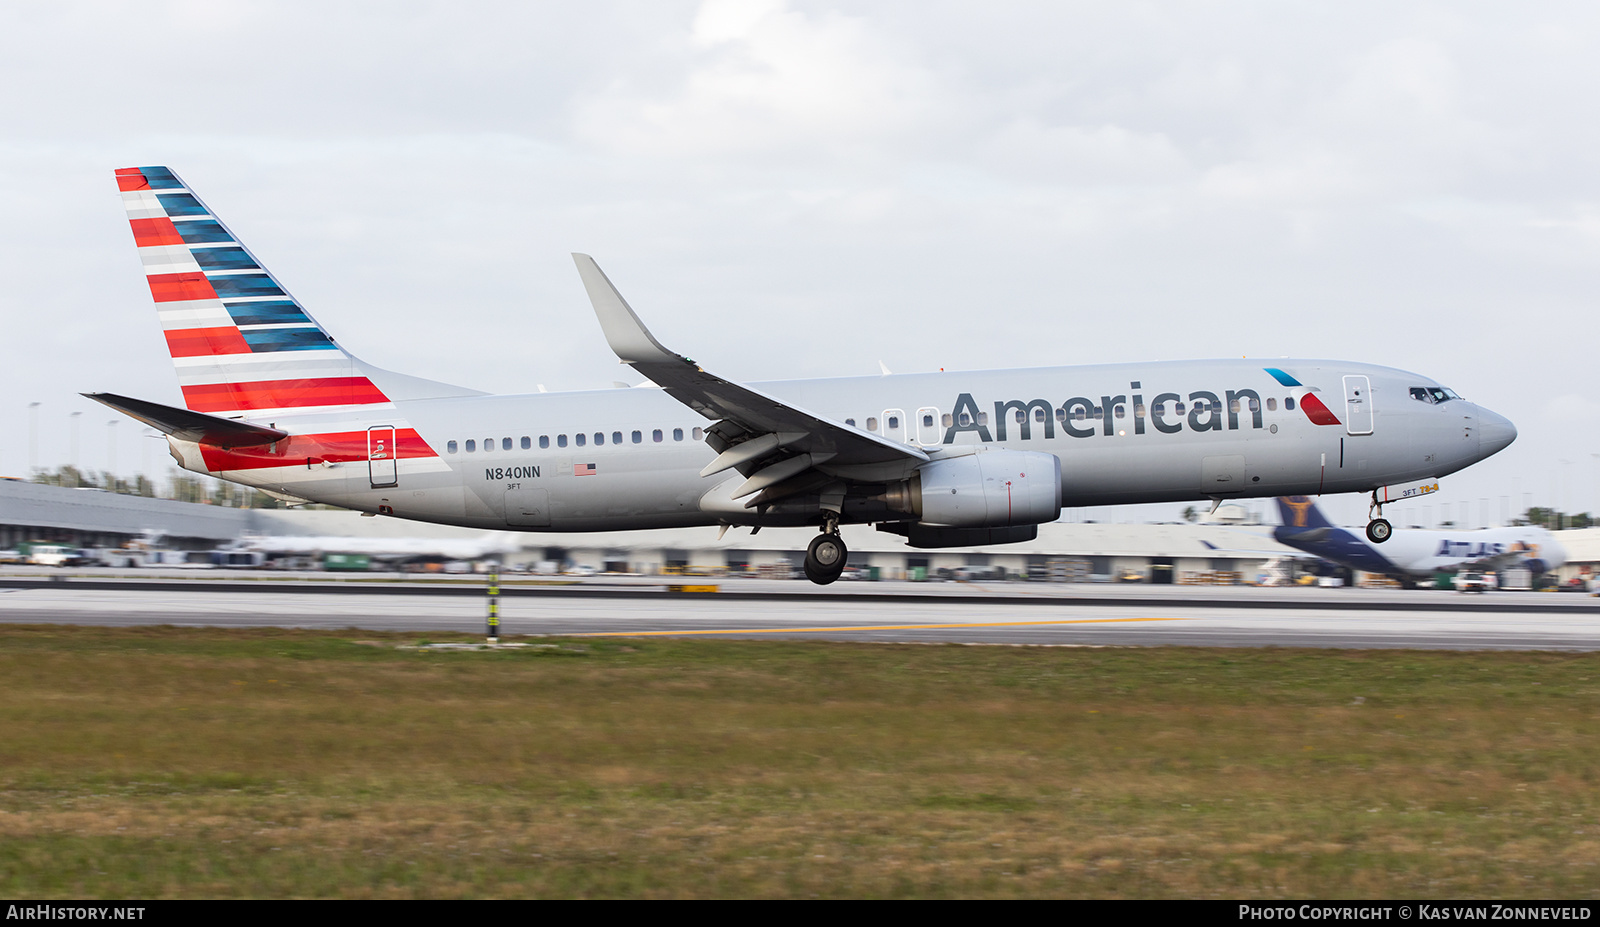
[1432,395]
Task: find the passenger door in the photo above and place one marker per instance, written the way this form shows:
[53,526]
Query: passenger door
[1358,405]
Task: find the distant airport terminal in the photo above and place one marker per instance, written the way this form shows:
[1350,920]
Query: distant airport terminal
[1224,551]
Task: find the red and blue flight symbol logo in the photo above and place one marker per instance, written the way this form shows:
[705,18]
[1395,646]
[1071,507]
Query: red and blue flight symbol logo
[1305,397]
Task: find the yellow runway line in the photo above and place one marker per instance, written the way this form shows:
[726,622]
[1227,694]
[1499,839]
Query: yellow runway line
[872,627]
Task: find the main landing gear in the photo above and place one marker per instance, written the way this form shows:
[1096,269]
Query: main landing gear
[825,558]
[1378,529]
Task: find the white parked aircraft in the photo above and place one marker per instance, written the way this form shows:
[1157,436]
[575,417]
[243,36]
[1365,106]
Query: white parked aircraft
[451,548]
[944,459]
[1417,552]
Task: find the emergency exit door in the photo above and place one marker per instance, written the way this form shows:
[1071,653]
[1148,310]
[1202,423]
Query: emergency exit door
[382,465]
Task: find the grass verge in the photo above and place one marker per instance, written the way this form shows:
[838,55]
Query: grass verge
[162,762]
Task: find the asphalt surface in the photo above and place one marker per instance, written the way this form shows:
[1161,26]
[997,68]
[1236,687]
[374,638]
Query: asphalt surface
[992,613]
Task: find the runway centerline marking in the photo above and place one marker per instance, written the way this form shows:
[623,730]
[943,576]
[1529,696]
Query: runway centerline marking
[870,627]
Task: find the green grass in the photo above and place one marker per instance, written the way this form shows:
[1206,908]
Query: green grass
[157,762]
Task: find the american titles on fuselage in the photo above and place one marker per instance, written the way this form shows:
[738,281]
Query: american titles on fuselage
[1078,416]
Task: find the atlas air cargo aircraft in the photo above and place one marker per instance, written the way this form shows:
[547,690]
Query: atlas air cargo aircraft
[944,459]
[1416,552]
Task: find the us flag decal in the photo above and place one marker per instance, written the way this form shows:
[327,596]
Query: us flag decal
[583,469]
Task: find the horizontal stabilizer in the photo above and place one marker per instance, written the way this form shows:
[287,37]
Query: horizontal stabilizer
[191,426]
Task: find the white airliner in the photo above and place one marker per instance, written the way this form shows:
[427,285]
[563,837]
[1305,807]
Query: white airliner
[944,459]
[1417,552]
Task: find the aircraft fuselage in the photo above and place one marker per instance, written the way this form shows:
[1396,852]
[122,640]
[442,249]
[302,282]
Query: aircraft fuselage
[1133,433]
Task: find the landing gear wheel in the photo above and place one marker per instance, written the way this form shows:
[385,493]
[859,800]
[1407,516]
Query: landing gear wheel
[1378,530]
[825,558]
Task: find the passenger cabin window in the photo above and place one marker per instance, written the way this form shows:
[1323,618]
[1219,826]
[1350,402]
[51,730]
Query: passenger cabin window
[638,437]
[471,445]
[505,444]
[1255,405]
[488,444]
[983,419]
[698,434]
[677,434]
[616,437]
[1021,416]
[1120,411]
[561,440]
[656,436]
[450,446]
[894,421]
[1177,408]
[599,438]
[851,422]
[946,420]
[1233,406]
[1038,415]
[966,419]
[1288,403]
[527,443]
[544,441]
[580,439]
[927,420]
[1272,405]
[872,423]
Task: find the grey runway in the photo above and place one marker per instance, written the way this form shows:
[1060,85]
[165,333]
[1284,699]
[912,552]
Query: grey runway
[1231,617]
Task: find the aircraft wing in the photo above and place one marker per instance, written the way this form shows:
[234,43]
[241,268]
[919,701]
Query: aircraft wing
[776,444]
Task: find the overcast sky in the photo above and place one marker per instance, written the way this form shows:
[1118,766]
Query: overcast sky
[796,189]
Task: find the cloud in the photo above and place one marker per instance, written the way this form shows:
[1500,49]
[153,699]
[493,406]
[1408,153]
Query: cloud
[761,79]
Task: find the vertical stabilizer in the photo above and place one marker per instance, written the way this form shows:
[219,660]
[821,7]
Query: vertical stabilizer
[1299,513]
[242,345]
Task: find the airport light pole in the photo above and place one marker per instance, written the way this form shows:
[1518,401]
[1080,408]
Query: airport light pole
[1563,519]
[1594,511]
[33,437]
[73,418]
[144,454]
[111,452]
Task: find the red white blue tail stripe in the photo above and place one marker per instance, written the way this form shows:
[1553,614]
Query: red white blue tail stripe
[240,342]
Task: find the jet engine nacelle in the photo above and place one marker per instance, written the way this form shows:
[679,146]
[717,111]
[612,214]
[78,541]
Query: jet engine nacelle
[991,489]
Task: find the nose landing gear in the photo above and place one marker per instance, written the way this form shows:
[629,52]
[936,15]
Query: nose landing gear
[825,558]
[1378,528]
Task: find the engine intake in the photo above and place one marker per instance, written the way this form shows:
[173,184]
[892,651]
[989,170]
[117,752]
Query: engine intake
[989,489]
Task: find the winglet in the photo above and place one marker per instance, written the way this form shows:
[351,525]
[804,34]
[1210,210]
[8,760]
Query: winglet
[627,336]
